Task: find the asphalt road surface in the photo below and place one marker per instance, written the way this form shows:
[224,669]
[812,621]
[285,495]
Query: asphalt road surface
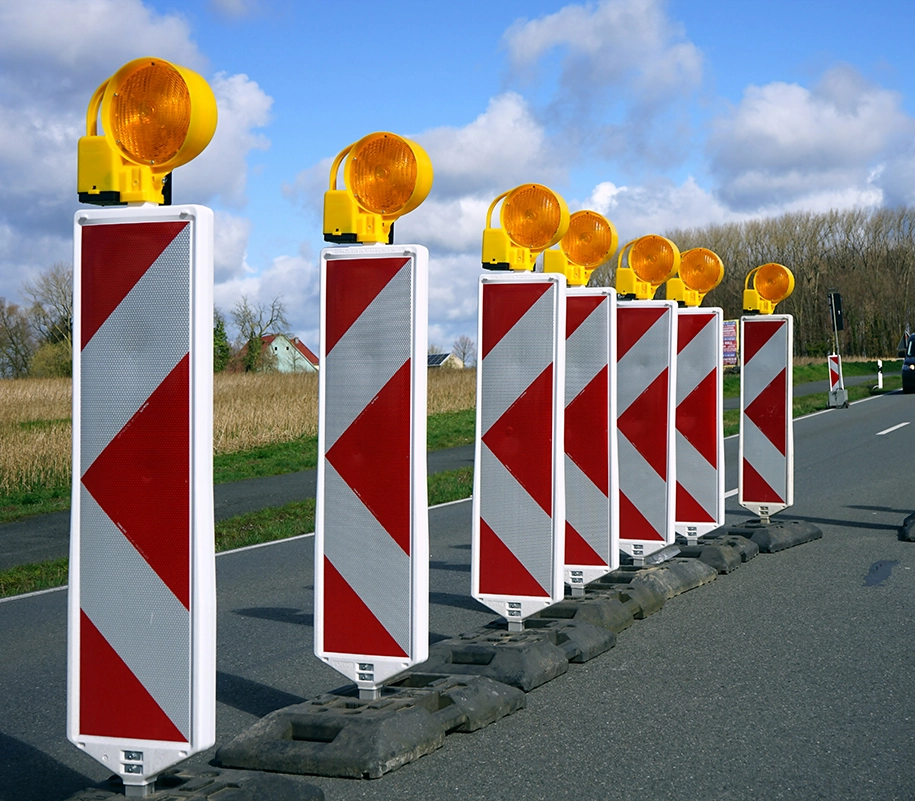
[790,678]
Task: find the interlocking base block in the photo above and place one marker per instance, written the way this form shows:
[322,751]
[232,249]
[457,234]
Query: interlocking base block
[776,535]
[336,734]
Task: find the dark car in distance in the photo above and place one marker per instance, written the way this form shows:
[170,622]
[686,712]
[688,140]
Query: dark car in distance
[908,367]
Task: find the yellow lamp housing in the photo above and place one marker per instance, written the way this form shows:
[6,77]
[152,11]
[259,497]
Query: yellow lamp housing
[701,270]
[155,117]
[533,219]
[385,177]
[651,261]
[590,241]
[765,287]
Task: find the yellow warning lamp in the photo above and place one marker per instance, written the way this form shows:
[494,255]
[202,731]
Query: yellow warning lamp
[533,218]
[155,116]
[385,177]
[765,287]
[651,261]
[701,271]
[589,242]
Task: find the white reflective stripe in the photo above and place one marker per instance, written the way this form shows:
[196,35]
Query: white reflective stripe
[765,458]
[697,360]
[644,488]
[367,557]
[136,613]
[517,359]
[586,351]
[516,518]
[697,477]
[765,366]
[644,361]
[374,347]
[587,510]
[136,347]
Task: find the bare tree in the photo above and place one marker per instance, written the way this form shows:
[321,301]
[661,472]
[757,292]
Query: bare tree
[50,314]
[465,349]
[17,341]
[254,321]
[433,348]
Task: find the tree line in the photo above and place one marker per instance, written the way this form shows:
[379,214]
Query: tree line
[867,255]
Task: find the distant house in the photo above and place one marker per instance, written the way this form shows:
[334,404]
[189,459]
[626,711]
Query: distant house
[445,360]
[291,355]
[281,353]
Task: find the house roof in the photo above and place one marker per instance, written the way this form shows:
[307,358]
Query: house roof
[436,359]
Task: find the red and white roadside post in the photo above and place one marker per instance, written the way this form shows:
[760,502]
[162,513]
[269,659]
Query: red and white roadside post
[646,355]
[142,589]
[766,464]
[371,522]
[591,464]
[518,534]
[838,395]
[698,414]
[591,454]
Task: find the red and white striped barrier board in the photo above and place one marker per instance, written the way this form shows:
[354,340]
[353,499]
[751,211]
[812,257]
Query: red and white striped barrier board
[142,593]
[700,432]
[372,522]
[518,492]
[766,475]
[646,341]
[835,372]
[591,466]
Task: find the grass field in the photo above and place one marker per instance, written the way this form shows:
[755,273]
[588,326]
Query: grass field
[263,425]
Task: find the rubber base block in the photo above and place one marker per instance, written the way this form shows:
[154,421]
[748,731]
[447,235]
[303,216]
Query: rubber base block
[776,535]
[745,547]
[613,610]
[672,578]
[212,783]
[336,734]
[907,529]
[718,554]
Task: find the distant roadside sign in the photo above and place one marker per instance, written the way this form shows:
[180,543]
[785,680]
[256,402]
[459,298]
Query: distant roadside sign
[731,348]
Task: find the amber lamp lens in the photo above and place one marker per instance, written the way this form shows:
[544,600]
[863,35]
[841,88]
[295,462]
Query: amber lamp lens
[382,173]
[590,240]
[701,269]
[773,282]
[653,259]
[151,114]
[531,216]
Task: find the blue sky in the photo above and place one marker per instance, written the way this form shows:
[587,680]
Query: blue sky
[657,114]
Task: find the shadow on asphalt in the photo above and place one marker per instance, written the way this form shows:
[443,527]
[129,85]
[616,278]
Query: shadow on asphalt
[31,775]
[251,696]
[278,615]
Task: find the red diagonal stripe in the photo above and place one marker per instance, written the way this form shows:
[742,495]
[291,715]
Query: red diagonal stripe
[579,308]
[697,418]
[503,306]
[350,627]
[112,701]
[114,258]
[501,572]
[756,334]
[633,524]
[645,423]
[578,551]
[352,284]
[141,481]
[633,321]
[689,510]
[587,432]
[689,326]
[373,456]
[756,489]
[522,439]
[769,412]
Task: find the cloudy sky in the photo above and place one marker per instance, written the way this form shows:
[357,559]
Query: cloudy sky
[657,114]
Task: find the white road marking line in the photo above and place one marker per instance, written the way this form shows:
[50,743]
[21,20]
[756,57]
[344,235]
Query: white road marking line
[888,430]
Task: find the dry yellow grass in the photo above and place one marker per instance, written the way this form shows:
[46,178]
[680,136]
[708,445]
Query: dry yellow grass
[248,410]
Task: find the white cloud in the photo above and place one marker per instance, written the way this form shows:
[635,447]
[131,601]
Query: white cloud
[625,72]
[785,143]
[504,146]
[221,170]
